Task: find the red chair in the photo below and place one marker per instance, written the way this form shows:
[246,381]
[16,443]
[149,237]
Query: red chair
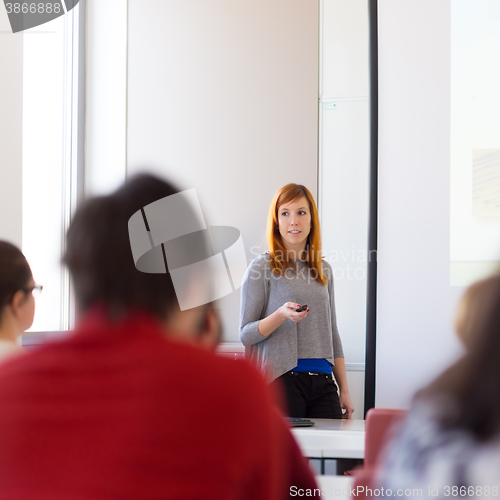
[381,426]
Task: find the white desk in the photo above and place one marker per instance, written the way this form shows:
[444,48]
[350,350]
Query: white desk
[335,487]
[332,438]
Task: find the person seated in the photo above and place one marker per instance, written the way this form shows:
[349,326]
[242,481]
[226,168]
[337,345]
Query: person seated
[129,406]
[449,445]
[471,309]
[17,304]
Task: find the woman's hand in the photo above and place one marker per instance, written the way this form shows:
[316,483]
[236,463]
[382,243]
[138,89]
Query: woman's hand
[288,310]
[346,404]
[267,325]
[341,378]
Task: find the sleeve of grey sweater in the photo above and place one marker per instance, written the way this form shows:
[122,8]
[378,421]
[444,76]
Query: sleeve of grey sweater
[253,302]
[337,343]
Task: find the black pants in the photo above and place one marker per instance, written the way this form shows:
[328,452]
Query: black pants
[311,396]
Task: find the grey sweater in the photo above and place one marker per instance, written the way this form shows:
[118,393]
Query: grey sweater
[316,336]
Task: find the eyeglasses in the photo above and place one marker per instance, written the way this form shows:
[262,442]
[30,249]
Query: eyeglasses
[36,290]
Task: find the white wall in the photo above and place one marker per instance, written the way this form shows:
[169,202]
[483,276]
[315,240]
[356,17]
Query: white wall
[222,97]
[416,304]
[11,134]
[105,95]
[344,163]
[344,145]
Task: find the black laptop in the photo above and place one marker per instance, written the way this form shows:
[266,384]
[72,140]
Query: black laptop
[299,422]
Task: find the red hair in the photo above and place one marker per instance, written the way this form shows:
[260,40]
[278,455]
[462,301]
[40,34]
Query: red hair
[277,250]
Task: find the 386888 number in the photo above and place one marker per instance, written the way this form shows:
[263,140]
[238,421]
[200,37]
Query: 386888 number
[33,8]
[471,491]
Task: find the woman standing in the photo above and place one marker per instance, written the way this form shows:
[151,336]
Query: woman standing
[301,349]
[17,304]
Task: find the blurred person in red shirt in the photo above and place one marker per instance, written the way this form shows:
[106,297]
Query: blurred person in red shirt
[129,406]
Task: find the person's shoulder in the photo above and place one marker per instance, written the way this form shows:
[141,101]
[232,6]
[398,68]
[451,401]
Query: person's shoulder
[17,369]
[261,263]
[420,429]
[235,384]
[326,264]
[245,385]
[327,269]
[8,350]
[262,260]
[232,373]
[235,373]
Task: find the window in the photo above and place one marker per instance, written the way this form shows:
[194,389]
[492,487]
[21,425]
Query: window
[52,118]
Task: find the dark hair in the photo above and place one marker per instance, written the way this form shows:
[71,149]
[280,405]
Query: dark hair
[472,307]
[99,255]
[472,385]
[15,272]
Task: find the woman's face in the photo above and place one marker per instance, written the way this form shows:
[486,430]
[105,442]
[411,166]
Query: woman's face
[295,224]
[27,307]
